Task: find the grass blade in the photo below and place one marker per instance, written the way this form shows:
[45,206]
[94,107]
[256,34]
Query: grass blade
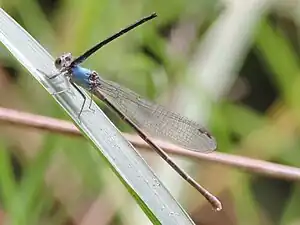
[127,164]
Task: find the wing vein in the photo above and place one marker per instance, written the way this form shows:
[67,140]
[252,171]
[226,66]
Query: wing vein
[157,121]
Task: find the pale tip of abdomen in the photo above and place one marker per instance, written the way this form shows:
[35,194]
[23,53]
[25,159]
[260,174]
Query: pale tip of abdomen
[217,205]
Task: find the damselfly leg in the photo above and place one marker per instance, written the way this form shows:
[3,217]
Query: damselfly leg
[91,101]
[49,76]
[54,76]
[84,99]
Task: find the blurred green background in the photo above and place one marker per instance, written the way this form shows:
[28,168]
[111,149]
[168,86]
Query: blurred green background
[232,65]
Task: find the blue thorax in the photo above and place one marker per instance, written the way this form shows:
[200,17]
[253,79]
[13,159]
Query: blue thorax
[81,76]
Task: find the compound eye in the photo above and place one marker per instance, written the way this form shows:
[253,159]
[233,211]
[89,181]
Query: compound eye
[57,62]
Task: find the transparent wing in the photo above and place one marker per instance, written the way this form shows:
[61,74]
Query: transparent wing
[156,121]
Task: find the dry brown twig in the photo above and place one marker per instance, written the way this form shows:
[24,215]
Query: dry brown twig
[13,117]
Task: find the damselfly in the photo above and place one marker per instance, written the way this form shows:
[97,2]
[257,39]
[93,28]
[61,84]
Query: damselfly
[144,117]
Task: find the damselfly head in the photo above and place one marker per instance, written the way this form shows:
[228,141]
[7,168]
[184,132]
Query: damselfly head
[63,61]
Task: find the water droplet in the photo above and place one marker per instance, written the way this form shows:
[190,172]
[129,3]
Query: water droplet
[171,213]
[156,182]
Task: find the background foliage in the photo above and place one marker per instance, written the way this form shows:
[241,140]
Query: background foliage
[230,64]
